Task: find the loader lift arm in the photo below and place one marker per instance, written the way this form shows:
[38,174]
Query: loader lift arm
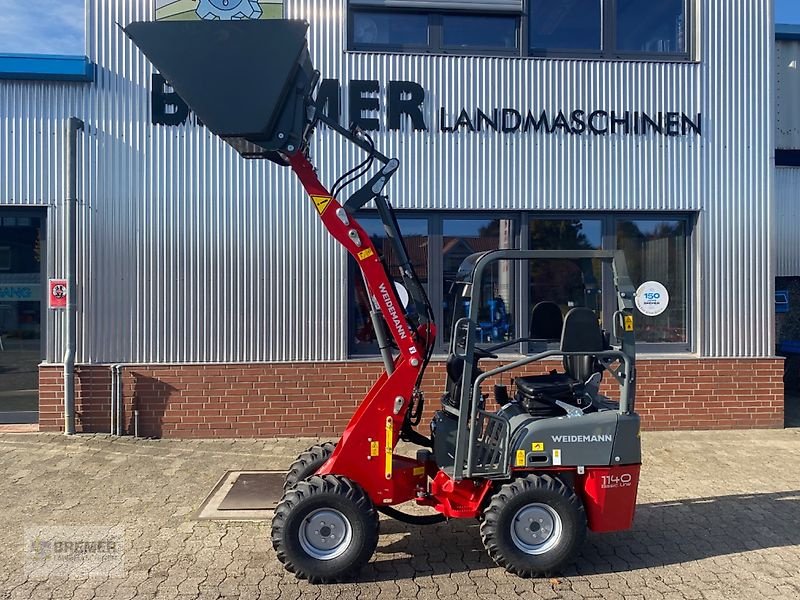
[394,403]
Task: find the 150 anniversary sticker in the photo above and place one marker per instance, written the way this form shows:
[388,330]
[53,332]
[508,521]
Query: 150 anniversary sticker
[652,298]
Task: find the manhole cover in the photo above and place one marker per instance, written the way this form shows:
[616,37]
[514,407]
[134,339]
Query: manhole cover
[243,495]
[254,491]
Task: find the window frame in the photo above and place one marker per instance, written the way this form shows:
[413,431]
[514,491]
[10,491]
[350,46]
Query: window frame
[609,13]
[435,43]
[689,220]
[521,221]
[608,51]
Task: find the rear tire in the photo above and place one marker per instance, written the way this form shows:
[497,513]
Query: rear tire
[308,463]
[325,529]
[533,526]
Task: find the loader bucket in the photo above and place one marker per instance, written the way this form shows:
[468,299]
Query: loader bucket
[248,81]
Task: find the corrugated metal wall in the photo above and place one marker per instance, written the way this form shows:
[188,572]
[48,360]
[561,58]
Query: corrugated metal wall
[735,299]
[787,219]
[190,254]
[787,136]
[787,99]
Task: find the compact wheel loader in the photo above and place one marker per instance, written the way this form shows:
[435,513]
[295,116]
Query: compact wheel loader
[537,468]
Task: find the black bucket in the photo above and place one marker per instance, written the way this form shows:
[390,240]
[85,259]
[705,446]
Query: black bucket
[250,81]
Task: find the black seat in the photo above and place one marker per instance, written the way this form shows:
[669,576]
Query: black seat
[547,322]
[553,383]
[581,333]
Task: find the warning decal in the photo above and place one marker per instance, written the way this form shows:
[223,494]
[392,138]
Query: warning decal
[628,322]
[537,446]
[58,293]
[556,456]
[365,253]
[374,448]
[321,203]
[520,458]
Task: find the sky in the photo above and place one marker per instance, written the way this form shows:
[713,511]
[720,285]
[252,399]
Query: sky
[57,26]
[42,27]
[787,11]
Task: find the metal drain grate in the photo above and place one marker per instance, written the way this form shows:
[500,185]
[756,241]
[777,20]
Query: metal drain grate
[243,495]
[254,491]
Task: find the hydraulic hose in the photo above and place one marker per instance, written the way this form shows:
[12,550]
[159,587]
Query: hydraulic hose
[411,519]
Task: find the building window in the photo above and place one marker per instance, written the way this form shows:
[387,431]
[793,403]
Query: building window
[646,27]
[568,283]
[389,30]
[460,238]
[609,28]
[572,28]
[564,26]
[655,250]
[453,27]
[415,231]
[464,32]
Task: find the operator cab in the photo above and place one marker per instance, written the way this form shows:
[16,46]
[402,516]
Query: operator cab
[557,393]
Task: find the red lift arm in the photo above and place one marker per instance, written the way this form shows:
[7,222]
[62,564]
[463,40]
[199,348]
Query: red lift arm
[365,452]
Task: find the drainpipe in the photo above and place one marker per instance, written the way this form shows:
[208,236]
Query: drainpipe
[113,398]
[113,424]
[117,405]
[70,226]
[120,403]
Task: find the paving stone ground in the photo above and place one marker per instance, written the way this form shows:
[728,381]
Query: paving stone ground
[718,518]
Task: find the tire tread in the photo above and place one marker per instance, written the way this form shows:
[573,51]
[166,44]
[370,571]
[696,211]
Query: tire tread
[307,463]
[329,485]
[490,527]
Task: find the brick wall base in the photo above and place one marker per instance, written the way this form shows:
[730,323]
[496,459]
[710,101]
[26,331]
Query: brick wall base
[317,399]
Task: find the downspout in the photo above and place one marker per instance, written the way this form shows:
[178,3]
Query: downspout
[70,239]
[117,405]
[113,416]
[120,404]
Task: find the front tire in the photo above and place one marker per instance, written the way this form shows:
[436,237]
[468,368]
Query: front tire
[533,526]
[308,463]
[325,529]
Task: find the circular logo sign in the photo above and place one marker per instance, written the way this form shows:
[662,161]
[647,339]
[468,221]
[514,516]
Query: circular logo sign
[652,298]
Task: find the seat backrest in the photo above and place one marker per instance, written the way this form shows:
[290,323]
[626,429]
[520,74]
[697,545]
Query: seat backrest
[546,321]
[582,333]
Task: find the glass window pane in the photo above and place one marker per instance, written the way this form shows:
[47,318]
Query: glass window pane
[389,29]
[568,283]
[460,238]
[415,232]
[565,25]
[20,311]
[651,27]
[484,31]
[656,251]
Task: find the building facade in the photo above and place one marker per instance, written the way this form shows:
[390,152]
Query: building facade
[211,283]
